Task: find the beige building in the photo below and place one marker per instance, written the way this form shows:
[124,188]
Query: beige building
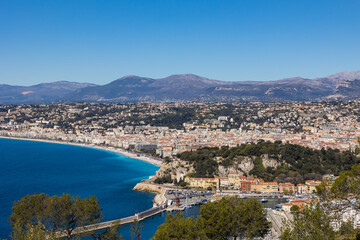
[224,182]
[265,187]
[311,185]
[286,187]
[235,180]
[301,188]
[204,183]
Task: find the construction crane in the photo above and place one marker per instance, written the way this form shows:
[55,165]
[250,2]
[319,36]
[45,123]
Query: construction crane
[213,189]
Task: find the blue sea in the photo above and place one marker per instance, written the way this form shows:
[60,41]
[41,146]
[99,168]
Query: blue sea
[28,167]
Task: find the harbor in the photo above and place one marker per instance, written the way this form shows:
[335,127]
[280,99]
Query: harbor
[180,200]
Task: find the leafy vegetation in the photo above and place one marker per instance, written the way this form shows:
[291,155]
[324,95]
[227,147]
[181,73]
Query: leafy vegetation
[345,189]
[309,223]
[174,119]
[39,216]
[165,179]
[224,219]
[296,163]
[177,227]
[313,222]
[343,196]
[136,230]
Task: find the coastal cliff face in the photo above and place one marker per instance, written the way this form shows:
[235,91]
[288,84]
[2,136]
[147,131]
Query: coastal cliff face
[177,169]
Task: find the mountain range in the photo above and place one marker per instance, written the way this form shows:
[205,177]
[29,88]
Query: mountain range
[188,87]
[40,93]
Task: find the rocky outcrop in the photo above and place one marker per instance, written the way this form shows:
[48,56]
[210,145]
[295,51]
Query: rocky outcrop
[224,171]
[177,169]
[242,165]
[246,164]
[269,162]
[149,187]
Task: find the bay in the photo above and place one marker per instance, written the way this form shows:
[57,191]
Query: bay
[28,167]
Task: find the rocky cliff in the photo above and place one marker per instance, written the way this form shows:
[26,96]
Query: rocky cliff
[177,169]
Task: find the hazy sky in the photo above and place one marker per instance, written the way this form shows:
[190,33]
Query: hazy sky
[100,40]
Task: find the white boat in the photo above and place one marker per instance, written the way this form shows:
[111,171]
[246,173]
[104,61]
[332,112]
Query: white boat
[278,206]
[264,200]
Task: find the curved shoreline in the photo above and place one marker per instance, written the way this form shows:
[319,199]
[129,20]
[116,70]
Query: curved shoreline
[123,152]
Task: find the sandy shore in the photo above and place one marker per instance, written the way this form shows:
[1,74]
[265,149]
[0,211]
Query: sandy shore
[128,154]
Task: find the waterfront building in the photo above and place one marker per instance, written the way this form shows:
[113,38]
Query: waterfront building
[236,179]
[246,186]
[265,187]
[204,183]
[286,187]
[224,182]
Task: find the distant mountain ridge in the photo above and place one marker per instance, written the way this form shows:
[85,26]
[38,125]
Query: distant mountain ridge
[189,87]
[40,93]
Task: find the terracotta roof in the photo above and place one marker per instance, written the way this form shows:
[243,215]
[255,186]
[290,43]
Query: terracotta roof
[312,182]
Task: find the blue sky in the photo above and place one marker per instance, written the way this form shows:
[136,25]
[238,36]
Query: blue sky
[101,40]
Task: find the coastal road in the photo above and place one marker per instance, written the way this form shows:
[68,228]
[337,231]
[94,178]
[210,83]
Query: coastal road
[277,220]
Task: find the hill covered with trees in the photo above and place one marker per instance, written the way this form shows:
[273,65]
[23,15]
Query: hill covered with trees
[271,161]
